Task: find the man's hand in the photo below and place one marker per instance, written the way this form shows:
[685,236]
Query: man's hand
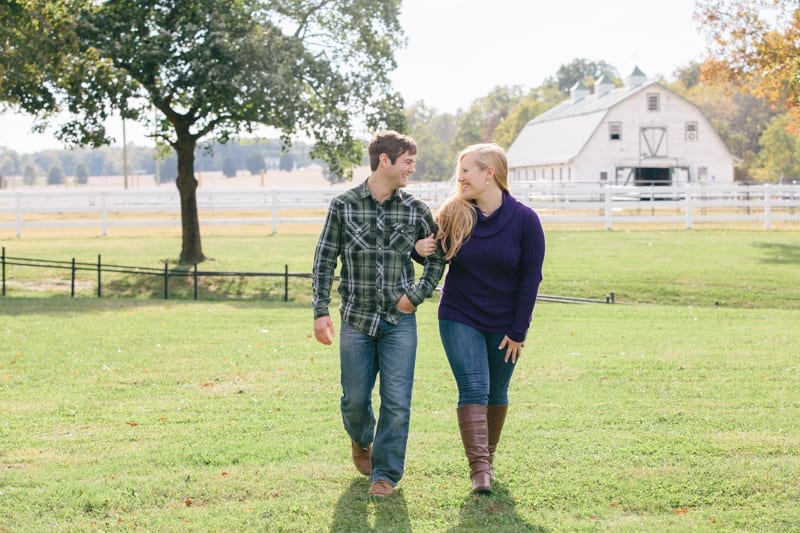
[323,329]
[404,305]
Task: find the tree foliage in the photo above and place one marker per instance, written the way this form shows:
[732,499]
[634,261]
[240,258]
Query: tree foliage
[55,176]
[534,104]
[209,68]
[780,153]
[286,162]
[228,168]
[479,122]
[582,70]
[81,174]
[434,133]
[754,44]
[255,163]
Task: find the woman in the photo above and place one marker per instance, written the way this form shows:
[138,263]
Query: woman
[495,248]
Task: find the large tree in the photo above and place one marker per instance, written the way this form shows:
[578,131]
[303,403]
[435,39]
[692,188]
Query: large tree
[435,132]
[754,43]
[196,68]
[582,70]
[478,123]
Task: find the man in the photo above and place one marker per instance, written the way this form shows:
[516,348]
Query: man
[372,229]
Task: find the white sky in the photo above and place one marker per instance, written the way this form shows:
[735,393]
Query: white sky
[459,50]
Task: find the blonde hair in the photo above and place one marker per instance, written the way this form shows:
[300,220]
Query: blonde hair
[456,217]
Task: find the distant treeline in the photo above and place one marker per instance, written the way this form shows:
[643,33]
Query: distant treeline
[52,166]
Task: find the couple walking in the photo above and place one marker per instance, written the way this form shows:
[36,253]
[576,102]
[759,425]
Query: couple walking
[493,246]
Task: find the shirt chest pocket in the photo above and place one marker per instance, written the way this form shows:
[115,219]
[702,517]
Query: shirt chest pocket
[401,239]
[356,235]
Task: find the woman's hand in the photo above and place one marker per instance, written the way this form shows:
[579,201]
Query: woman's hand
[425,247]
[513,349]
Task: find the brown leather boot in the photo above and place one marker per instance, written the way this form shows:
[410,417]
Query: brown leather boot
[362,457]
[475,436]
[496,417]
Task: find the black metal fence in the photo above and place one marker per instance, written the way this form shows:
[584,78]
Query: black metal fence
[164,274]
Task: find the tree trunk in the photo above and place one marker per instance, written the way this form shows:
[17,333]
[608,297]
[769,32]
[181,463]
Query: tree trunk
[191,249]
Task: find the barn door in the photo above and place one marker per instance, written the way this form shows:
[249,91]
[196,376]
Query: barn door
[653,142]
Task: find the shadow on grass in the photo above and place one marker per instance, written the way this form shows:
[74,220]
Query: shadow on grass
[354,510]
[492,513]
[779,254]
[64,305]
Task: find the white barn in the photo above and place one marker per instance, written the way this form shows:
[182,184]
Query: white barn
[639,134]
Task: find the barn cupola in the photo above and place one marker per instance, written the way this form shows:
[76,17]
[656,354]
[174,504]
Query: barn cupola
[578,91]
[636,78]
[603,86]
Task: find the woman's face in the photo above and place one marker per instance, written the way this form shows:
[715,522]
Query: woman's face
[472,180]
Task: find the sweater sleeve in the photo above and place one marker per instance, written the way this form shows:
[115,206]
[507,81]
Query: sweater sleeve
[531,261]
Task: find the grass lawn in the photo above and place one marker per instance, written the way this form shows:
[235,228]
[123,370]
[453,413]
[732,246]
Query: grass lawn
[677,410]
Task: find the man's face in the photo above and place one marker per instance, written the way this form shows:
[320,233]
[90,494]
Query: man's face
[404,166]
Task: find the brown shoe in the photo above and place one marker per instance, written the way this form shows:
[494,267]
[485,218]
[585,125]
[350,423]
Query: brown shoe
[362,457]
[381,489]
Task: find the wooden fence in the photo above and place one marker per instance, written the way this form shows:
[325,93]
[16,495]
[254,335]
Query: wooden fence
[571,203]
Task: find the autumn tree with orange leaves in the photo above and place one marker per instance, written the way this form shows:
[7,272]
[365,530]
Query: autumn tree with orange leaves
[753,44]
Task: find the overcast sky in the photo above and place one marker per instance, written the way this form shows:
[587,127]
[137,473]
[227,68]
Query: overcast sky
[459,50]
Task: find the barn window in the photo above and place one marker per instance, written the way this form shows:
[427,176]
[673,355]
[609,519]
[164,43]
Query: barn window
[604,176]
[691,131]
[615,131]
[653,102]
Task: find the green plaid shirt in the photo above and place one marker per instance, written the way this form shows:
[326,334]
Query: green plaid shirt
[374,242]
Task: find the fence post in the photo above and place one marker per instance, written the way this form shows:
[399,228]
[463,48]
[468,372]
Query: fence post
[767,207]
[166,280]
[72,283]
[99,284]
[104,212]
[607,205]
[274,211]
[687,210]
[195,280]
[4,270]
[19,214]
[285,283]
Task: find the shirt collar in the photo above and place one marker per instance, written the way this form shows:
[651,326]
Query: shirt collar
[363,192]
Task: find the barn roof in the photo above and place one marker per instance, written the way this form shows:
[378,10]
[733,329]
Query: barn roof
[559,134]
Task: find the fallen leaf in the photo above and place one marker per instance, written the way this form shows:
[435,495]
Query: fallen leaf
[132,424]
[187,502]
[681,510]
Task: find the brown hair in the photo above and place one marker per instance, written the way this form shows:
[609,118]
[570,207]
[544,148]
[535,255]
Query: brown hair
[392,144]
[456,217]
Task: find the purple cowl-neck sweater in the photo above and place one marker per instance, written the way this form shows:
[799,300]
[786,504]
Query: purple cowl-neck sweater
[492,282]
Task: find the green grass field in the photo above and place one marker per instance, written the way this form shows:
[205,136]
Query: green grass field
[676,410]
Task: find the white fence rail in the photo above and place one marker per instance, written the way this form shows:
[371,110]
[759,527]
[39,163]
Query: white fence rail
[571,203]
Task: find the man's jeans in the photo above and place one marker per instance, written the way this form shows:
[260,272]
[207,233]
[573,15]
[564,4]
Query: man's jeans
[390,354]
[481,373]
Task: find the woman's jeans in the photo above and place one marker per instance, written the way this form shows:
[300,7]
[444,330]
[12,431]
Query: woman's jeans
[481,373]
[390,354]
